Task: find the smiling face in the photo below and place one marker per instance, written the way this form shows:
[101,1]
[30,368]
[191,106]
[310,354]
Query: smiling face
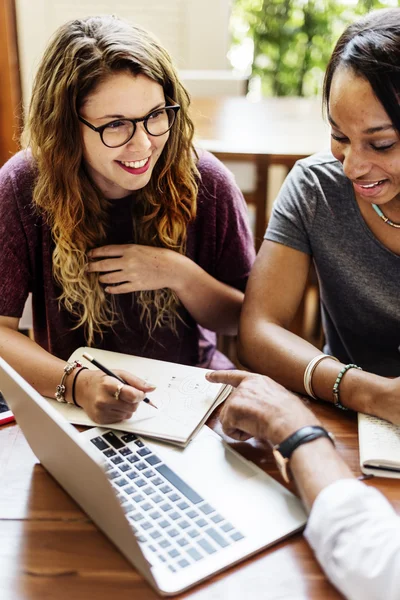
[364,139]
[119,171]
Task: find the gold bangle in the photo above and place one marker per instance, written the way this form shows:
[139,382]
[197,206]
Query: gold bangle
[308,373]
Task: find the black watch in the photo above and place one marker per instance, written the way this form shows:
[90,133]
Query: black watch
[283,451]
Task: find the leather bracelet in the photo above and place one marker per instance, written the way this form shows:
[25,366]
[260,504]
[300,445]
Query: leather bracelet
[60,389]
[73,386]
[283,451]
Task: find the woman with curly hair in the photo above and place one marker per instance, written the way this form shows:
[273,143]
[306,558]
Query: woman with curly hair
[127,238]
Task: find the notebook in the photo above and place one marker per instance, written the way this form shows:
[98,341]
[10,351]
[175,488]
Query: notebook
[184,398]
[379,443]
[179,515]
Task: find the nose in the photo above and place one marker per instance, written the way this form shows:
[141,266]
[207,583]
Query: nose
[355,163]
[140,142]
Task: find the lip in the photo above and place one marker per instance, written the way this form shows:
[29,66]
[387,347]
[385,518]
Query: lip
[370,192]
[134,171]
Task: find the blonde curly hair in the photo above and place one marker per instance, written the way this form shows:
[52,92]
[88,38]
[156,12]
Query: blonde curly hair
[80,56]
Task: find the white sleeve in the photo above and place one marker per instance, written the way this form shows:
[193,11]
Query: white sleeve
[355,534]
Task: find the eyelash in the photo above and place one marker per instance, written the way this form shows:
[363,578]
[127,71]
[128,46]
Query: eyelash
[376,148]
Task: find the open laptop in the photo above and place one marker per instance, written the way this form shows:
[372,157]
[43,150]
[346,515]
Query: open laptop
[178,515]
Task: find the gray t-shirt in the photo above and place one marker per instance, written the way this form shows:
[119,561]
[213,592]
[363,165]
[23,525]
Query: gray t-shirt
[316,212]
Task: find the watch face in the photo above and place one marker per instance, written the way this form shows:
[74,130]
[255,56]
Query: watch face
[282,464]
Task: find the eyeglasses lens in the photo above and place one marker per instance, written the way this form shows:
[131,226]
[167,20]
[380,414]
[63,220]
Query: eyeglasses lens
[157,123]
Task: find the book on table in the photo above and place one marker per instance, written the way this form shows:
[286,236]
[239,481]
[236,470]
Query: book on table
[379,444]
[183,396]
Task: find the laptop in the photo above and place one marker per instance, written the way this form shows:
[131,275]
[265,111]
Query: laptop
[178,515]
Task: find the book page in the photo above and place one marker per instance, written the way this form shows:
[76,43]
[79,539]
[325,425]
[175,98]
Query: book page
[379,441]
[183,396]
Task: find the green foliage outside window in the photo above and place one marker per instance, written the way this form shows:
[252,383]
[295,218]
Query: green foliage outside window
[293,39]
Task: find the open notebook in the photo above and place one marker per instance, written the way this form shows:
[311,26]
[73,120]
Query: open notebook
[379,443]
[184,397]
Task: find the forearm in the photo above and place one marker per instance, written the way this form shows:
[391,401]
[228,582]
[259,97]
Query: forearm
[41,369]
[270,349]
[213,304]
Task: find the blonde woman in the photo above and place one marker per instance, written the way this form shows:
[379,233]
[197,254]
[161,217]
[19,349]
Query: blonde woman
[127,238]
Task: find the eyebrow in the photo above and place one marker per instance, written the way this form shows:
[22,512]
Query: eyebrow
[161,104]
[366,131]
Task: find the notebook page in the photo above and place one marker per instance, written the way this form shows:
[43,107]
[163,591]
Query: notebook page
[379,441]
[183,396]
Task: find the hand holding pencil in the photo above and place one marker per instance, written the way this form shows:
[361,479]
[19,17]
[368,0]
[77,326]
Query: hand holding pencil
[107,396]
[107,371]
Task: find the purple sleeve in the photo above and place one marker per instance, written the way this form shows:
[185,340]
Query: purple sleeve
[223,245]
[14,253]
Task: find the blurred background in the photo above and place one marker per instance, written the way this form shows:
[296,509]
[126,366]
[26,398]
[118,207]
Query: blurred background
[254,69]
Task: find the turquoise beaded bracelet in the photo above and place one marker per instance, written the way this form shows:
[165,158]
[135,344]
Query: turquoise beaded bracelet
[335,391]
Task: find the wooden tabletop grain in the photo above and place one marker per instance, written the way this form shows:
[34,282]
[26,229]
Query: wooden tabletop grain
[50,550]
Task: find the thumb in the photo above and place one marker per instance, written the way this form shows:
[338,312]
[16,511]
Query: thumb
[233,378]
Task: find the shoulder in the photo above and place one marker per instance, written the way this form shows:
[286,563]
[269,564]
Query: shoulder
[212,171]
[321,166]
[19,172]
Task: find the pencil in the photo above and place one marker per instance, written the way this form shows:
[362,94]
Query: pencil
[107,371]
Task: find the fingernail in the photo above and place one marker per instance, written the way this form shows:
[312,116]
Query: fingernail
[148,384]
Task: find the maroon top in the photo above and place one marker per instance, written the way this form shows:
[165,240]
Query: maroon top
[218,240]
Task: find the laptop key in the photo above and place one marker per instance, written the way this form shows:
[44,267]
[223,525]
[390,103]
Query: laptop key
[201,522]
[113,440]
[164,523]
[109,453]
[166,507]
[148,474]
[165,489]
[155,534]
[124,467]
[144,452]
[137,498]
[217,518]
[125,451]
[192,514]
[146,525]
[182,542]
[157,480]
[227,527]
[153,460]
[164,544]
[139,443]
[128,437]
[136,517]
[184,524]
[100,443]
[173,533]
[133,458]
[148,491]
[183,563]
[132,475]
[121,482]
[117,460]
[183,505]
[140,482]
[174,515]
[237,536]
[155,515]
[174,497]
[130,490]
[113,474]
[206,509]
[180,485]
[193,533]
[146,506]
[217,537]
[206,546]
[141,466]
[173,553]
[194,553]
[157,498]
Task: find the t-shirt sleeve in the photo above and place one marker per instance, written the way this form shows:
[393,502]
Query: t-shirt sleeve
[14,254]
[225,226]
[294,209]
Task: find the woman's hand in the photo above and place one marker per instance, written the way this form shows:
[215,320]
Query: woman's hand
[98,395]
[133,268]
[261,408]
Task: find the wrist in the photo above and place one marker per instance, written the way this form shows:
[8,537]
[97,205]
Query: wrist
[182,271]
[285,426]
[365,392]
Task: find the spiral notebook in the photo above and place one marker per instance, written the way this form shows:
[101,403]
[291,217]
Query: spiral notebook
[183,396]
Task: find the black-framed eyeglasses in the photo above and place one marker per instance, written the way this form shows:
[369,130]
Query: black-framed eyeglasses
[119,132]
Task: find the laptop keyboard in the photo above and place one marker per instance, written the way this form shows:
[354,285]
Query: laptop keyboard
[168,516]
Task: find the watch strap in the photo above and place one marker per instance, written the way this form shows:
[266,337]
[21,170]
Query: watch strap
[302,436]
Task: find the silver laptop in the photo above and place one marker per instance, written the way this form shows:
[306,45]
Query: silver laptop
[178,515]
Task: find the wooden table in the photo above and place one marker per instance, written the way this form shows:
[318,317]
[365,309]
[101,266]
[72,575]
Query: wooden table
[50,550]
[271,131]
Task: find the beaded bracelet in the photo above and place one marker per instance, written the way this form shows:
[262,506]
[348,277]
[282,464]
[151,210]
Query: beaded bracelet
[335,391]
[73,386]
[60,389]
